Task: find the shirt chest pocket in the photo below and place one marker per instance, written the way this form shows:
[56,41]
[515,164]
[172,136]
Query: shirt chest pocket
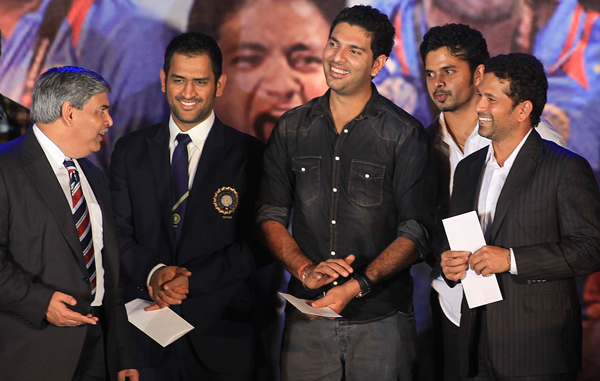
[366,183]
[308,176]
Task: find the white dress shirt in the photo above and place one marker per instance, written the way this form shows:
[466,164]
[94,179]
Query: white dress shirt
[56,159]
[198,135]
[494,177]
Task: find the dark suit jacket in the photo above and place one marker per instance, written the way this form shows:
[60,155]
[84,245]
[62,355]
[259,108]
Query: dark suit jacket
[217,248]
[40,253]
[549,213]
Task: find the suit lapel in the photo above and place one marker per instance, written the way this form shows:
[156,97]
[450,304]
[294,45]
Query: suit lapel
[157,145]
[464,196]
[522,169]
[43,178]
[211,155]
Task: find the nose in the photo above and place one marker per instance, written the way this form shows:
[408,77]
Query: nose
[438,81]
[109,121]
[480,104]
[339,56]
[282,84]
[189,90]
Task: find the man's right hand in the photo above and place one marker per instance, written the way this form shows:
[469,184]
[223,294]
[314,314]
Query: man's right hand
[60,315]
[168,285]
[328,271]
[455,264]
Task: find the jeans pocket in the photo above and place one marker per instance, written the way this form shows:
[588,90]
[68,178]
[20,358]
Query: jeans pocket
[308,176]
[366,183]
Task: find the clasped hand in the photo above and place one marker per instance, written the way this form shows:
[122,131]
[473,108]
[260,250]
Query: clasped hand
[328,271]
[485,261]
[168,285]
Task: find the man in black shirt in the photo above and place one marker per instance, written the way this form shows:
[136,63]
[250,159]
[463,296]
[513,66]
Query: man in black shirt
[359,174]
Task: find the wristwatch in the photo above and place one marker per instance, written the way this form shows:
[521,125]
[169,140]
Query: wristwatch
[364,283]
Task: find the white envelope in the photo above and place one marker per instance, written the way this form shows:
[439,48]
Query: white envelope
[304,306]
[464,234]
[163,325]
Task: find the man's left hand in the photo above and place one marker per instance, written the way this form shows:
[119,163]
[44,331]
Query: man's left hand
[131,373]
[339,296]
[490,260]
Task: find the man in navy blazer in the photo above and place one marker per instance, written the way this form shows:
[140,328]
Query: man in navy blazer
[191,249]
[539,208]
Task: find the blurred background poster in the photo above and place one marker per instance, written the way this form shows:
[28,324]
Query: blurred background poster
[273,58]
[272,53]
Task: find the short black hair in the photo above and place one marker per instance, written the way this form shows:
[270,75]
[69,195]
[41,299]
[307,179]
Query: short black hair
[209,16]
[527,79]
[374,22]
[193,44]
[461,40]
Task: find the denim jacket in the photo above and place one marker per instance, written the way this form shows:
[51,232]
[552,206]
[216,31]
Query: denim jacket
[352,193]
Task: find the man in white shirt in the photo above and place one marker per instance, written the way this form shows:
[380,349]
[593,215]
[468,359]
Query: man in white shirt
[184,193]
[539,208]
[61,313]
[453,56]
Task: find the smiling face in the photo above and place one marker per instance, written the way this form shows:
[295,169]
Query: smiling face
[190,88]
[498,120]
[348,60]
[450,83]
[272,57]
[90,125]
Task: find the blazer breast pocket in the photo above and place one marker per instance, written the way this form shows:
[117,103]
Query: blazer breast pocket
[366,183]
[308,176]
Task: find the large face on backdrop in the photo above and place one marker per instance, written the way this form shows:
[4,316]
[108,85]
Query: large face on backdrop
[272,52]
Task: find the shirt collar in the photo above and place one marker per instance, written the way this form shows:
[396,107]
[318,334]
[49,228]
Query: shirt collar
[55,155]
[197,134]
[473,143]
[491,158]
[372,108]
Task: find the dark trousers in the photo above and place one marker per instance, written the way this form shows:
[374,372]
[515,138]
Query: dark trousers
[445,335]
[485,368]
[184,365]
[92,364]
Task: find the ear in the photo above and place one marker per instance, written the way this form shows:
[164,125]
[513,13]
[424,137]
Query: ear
[163,79]
[524,110]
[67,112]
[478,74]
[221,85]
[378,64]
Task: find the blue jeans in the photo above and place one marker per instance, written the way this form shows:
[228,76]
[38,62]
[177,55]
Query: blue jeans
[324,349]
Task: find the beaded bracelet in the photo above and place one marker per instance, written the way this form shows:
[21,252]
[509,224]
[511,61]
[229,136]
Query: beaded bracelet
[304,274]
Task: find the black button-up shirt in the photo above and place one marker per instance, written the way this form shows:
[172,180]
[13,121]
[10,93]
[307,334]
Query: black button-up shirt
[352,193]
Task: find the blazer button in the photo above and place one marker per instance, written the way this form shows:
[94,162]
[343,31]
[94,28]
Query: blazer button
[86,280]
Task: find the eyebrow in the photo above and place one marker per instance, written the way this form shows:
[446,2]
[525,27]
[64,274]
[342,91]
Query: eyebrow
[351,45]
[299,47]
[251,45]
[173,75]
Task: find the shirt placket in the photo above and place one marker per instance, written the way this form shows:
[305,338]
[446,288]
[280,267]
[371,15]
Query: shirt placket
[335,189]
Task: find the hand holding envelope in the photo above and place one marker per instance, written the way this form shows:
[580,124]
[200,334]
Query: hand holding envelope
[465,237]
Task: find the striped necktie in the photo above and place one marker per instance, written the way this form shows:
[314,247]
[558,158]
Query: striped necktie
[179,182]
[83,224]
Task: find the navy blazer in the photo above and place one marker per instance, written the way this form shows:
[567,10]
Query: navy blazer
[217,242]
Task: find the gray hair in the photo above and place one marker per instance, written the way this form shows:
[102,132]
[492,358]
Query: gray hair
[64,84]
